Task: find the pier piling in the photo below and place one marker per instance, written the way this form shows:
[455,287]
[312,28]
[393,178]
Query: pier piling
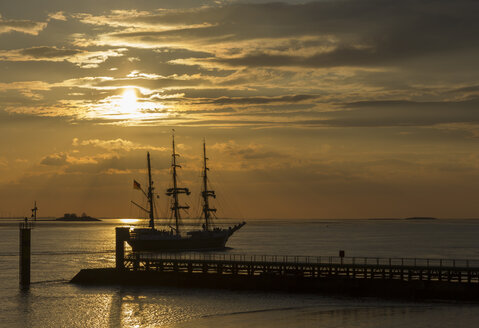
[25,254]
[122,235]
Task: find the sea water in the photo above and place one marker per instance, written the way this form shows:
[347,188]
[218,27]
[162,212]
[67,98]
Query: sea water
[61,249]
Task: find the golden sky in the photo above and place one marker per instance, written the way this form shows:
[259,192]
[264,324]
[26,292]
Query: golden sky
[326,109]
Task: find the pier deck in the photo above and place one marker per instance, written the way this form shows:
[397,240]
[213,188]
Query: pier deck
[404,269]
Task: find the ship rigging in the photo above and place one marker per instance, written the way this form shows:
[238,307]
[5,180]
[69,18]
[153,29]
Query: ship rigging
[153,239]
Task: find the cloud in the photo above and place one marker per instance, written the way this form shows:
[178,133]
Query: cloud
[251,151]
[57,159]
[30,85]
[467,92]
[59,15]
[115,145]
[161,19]
[109,162]
[81,58]
[22,26]
[256,65]
[152,83]
[48,52]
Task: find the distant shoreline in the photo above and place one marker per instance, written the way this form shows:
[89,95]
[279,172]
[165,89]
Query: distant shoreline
[46,219]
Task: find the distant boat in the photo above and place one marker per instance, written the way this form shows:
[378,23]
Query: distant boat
[74,217]
[175,238]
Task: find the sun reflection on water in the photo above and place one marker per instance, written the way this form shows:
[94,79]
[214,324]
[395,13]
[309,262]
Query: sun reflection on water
[129,221]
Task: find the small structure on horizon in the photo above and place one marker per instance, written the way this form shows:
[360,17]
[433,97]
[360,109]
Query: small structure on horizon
[74,217]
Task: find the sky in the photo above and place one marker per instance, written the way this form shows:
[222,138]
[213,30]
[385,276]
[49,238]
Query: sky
[323,109]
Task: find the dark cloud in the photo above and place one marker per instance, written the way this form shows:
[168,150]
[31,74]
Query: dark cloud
[13,97]
[28,120]
[47,71]
[203,93]
[233,22]
[222,110]
[39,8]
[342,56]
[230,122]
[473,89]
[368,32]
[398,113]
[261,100]
[17,24]
[49,52]
[249,152]
[401,113]
[23,26]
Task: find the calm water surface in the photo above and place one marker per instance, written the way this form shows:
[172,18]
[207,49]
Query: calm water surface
[60,250]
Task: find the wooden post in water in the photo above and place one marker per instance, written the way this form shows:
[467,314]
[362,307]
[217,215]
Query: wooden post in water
[122,235]
[25,253]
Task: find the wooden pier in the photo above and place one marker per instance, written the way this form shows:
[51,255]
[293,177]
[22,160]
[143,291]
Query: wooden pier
[404,269]
[379,277]
[415,278]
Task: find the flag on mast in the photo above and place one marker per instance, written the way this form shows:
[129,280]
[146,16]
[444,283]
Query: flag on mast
[136,185]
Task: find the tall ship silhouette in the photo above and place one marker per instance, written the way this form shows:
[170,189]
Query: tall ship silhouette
[177,237]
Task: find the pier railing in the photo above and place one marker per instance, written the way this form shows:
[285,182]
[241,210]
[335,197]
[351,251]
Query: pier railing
[318,260]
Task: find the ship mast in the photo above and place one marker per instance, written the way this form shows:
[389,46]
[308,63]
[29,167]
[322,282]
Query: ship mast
[150,194]
[206,194]
[175,191]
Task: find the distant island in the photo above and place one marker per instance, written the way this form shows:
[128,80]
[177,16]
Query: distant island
[74,217]
[420,218]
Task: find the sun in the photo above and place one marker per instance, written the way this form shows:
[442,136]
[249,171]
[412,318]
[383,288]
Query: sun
[128,103]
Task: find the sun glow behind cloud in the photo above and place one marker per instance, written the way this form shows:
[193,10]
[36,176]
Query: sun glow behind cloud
[128,102]
[128,108]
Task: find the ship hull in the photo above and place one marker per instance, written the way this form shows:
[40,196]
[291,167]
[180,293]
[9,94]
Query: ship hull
[177,244]
[155,240]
